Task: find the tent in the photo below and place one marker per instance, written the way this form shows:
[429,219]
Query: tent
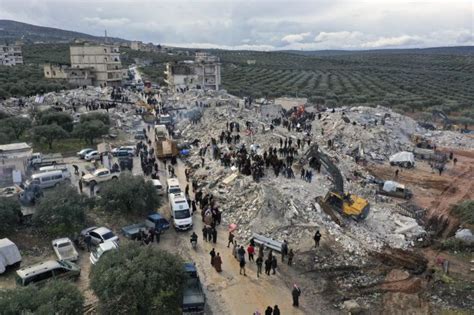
[392,186]
[402,157]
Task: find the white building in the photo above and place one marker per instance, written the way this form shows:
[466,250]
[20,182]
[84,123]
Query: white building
[11,55]
[14,163]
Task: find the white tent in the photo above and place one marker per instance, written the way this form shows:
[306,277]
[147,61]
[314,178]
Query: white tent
[403,156]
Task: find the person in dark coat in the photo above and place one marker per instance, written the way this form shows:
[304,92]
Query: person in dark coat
[274,264]
[242,266]
[317,238]
[231,238]
[269,310]
[158,234]
[80,185]
[218,263]
[88,242]
[213,254]
[296,295]
[268,266]
[276,310]
[284,250]
[214,235]
[204,233]
[291,254]
[151,233]
[259,262]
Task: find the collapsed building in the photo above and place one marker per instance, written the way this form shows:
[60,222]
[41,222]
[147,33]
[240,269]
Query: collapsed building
[204,72]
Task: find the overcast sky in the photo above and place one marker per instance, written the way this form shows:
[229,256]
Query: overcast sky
[260,24]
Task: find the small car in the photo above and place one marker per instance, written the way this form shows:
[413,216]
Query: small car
[64,249]
[93,155]
[99,235]
[82,154]
[101,250]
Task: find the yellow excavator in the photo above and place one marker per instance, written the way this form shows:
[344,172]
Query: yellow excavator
[337,204]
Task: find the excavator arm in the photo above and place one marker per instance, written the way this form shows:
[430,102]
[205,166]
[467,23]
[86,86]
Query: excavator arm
[315,156]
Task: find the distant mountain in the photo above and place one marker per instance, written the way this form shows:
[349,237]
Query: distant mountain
[13,30]
[457,50]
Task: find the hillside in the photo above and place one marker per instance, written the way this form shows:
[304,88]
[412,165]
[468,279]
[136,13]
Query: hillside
[12,30]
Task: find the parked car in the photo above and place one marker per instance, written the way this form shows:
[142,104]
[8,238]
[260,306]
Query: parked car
[93,155]
[124,151]
[49,179]
[154,220]
[158,186]
[101,250]
[59,167]
[64,249]
[9,254]
[100,175]
[139,135]
[38,159]
[99,235]
[194,300]
[47,270]
[82,154]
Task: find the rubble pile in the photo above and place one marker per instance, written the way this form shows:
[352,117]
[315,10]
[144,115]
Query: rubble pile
[286,208]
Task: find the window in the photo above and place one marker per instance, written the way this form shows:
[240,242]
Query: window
[94,235]
[59,271]
[57,177]
[46,179]
[42,276]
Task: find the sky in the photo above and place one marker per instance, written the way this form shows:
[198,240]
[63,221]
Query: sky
[260,24]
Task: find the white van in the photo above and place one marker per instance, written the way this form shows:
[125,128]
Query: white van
[61,167]
[49,179]
[172,186]
[182,219]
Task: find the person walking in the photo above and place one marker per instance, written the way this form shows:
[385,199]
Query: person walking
[284,250]
[291,254]
[231,239]
[276,310]
[158,234]
[274,264]
[92,188]
[251,252]
[76,169]
[296,295]
[259,262]
[269,310]
[151,233]
[241,253]
[242,266]
[213,254]
[317,238]
[218,263]
[268,266]
[204,233]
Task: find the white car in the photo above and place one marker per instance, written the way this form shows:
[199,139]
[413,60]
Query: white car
[82,154]
[101,250]
[64,249]
[129,149]
[101,235]
[93,155]
[100,175]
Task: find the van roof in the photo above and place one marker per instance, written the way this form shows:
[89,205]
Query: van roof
[55,172]
[38,268]
[52,168]
[173,182]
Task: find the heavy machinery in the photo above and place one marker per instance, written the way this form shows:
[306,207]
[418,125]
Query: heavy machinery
[447,123]
[421,142]
[337,204]
[165,147]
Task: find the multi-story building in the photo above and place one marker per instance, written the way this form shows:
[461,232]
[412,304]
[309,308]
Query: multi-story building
[10,55]
[204,72]
[102,60]
[76,77]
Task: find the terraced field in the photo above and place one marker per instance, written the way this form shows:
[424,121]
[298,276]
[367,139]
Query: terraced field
[410,80]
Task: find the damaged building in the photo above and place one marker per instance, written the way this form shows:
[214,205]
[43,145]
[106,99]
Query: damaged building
[97,65]
[204,72]
[10,55]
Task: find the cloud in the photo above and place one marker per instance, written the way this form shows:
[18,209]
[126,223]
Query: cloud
[337,36]
[294,38]
[114,22]
[398,41]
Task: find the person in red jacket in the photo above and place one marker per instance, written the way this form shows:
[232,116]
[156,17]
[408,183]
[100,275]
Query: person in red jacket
[251,252]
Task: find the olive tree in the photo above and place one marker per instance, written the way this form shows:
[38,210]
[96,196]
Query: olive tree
[48,134]
[10,213]
[56,297]
[129,194]
[138,280]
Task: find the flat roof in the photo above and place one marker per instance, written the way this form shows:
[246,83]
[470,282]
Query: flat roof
[14,147]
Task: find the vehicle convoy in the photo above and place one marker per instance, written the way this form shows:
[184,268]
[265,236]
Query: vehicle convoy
[336,203]
[38,159]
[182,219]
[165,147]
[9,255]
[99,175]
[194,300]
[47,270]
[64,249]
[394,189]
[154,220]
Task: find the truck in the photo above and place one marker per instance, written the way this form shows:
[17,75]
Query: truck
[165,147]
[38,159]
[99,175]
[194,300]
[154,220]
[394,189]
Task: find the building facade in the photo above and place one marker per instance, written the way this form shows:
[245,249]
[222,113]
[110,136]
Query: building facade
[14,163]
[204,72]
[11,55]
[76,77]
[102,60]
